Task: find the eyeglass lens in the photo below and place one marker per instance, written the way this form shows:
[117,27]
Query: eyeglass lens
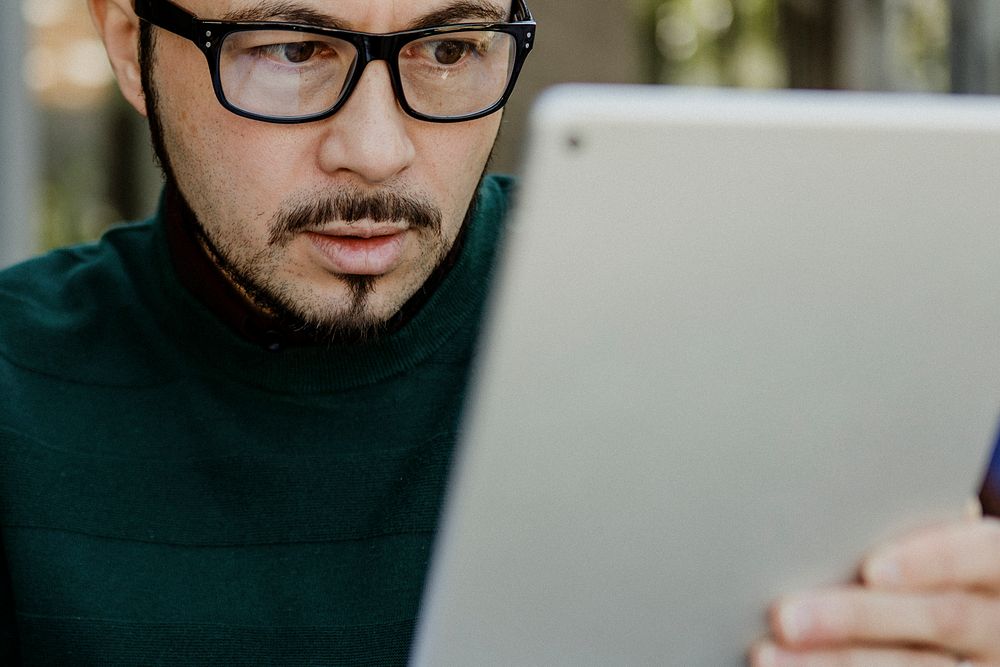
[288,74]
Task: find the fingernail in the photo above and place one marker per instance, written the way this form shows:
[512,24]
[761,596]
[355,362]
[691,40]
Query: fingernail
[883,570]
[795,619]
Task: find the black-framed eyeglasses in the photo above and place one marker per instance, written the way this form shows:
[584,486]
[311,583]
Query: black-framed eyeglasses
[282,72]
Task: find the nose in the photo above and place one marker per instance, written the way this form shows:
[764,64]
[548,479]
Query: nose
[369,137]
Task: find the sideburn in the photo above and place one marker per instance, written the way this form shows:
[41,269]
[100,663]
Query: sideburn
[147,47]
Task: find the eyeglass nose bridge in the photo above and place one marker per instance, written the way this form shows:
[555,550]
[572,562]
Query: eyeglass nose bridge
[376,47]
[372,48]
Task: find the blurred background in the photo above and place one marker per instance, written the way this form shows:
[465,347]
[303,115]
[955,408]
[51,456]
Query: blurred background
[76,159]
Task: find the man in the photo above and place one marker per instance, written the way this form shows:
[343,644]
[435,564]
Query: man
[225,433]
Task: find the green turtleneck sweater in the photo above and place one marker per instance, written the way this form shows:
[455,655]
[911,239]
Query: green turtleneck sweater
[171,493]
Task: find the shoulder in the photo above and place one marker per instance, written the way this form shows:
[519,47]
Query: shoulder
[74,279]
[66,306]
[52,274]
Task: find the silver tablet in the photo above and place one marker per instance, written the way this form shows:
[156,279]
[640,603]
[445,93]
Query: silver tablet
[736,339]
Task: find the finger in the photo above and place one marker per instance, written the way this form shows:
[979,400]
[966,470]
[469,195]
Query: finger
[769,655]
[957,623]
[974,509]
[964,554]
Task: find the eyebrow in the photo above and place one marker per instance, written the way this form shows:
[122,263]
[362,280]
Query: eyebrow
[276,10]
[461,11]
[464,11]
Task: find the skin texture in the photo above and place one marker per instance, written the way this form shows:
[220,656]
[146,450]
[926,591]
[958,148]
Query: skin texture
[243,179]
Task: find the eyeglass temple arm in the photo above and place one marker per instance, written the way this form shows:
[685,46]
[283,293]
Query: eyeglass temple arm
[168,16]
[520,11]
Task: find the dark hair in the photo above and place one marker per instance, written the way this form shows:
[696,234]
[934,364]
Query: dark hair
[147,58]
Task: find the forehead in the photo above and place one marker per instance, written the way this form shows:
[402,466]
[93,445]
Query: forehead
[362,15]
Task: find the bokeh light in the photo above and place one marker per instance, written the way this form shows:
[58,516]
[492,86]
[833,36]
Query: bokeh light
[65,66]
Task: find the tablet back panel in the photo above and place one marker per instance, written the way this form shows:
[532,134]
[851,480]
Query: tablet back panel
[736,339]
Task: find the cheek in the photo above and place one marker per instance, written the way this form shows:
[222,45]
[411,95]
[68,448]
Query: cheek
[456,155]
[232,176]
[231,170]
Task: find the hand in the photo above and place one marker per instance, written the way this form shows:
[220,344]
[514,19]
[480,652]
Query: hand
[929,600]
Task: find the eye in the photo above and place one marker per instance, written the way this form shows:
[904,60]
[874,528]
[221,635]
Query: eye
[449,53]
[292,53]
[296,52]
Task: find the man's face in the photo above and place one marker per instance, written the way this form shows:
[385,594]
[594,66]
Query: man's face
[270,198]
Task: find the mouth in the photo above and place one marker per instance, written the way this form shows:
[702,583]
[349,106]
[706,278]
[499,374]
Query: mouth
[359,249]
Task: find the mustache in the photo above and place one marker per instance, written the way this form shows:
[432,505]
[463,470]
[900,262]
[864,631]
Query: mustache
[350,207]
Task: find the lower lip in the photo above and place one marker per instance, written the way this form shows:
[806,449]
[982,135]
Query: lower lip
[351,255]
